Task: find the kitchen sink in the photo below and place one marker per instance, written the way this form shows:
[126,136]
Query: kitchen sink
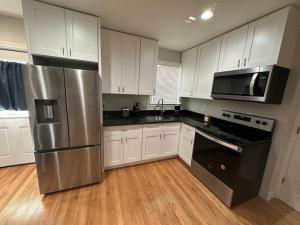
[157,118]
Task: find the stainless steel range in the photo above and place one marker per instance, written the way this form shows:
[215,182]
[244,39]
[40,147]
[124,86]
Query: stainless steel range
[65,123]
[229,156]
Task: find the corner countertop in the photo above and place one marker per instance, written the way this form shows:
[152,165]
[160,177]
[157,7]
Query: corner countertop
[113,118]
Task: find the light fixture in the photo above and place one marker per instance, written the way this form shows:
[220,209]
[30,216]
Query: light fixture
[207,14]
[192,18]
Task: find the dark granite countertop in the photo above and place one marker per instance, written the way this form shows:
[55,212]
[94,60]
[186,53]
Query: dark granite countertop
[114,118]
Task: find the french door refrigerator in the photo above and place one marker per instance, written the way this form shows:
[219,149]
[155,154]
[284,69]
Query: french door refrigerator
[64,118]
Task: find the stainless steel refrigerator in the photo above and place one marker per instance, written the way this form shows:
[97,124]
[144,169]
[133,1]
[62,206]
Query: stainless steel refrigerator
[64,114]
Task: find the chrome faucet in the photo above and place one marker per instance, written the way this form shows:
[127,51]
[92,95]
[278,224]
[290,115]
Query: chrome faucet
[162,110]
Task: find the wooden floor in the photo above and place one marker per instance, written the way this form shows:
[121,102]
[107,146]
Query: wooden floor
[162,192]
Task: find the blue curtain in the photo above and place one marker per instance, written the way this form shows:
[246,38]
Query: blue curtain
[12,94]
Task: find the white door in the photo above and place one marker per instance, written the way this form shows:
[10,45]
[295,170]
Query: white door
[148,66]
[151,147]
[111,47]
[113,149]
[133,145]
[8,143]
[186,146]
[130,64]
[188,63]
[170,139]
[232,49]
[26,147]
[207,65]
[82,36]
[264,39]
[46,28]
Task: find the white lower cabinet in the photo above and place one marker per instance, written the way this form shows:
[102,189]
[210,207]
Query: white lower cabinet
[16,142]
[186,143]
[122,144]
[160,140]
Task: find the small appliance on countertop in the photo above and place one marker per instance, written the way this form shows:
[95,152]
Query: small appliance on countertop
[136,110]
[229,156]
[125,112]
[177,110]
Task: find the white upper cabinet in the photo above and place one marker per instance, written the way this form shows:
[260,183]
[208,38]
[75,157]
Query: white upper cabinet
[148,66]
[232,49]
[207,65]
[130,64]
[111,44]
[82,35]
[54,31]
[264,39]
[45,28]
[188,63]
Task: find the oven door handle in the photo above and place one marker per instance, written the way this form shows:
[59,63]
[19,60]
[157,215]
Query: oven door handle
[252,83]
[221,142]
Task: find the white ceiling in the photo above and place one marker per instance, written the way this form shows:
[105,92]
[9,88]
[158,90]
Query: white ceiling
[164,19]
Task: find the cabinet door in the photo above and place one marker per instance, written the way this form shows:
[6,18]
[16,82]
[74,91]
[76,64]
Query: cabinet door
[8,143]
[186,145]
[130,64]
[264,39]
[151,143]
[148,66]
[133,145]
[26,148]
[113,149]
[46,28]
[189,60]
[81,36]
[170,140]
[207,65]
[111,46]
[232,49]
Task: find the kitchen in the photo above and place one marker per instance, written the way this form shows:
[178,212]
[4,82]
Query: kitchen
[134,120]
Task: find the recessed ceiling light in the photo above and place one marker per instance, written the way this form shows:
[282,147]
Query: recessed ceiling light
[192,18]
[207,14]
[187,21]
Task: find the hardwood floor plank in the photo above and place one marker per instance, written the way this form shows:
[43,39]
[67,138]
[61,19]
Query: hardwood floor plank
[157,193]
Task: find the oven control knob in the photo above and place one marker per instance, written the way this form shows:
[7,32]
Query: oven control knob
[258,121]
[264,123]
[223,167]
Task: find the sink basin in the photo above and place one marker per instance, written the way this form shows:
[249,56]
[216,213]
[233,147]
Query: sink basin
[157,118]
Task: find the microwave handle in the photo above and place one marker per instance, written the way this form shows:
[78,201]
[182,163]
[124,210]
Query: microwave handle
[252,83]
[219,141]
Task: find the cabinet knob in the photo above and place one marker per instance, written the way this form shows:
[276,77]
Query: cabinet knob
[239,63]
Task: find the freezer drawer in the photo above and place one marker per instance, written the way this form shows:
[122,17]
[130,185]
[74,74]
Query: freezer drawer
[61,170]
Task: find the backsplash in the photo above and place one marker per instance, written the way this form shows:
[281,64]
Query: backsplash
[112,102]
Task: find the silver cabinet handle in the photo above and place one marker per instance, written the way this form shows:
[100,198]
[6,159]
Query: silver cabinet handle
[119,89]
[245,62]
[239,63]
[123,89]
[191,93]
[126,139]
[70,52]
[154,91]
[192,142]
[63,51]
[221,142]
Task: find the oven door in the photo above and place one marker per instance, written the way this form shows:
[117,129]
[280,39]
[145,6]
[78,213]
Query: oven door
[247,84]
[221,159]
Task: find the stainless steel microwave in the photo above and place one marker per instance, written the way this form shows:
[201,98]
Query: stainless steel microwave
[263,84]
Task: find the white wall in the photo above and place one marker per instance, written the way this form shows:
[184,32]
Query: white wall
[284,115]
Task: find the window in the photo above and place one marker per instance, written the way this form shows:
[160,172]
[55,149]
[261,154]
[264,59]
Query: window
[167,85]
